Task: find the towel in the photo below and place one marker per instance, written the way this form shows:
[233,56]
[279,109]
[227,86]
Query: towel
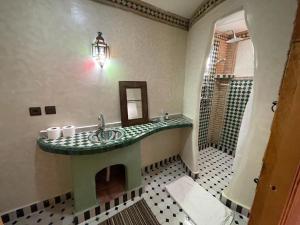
[198,204]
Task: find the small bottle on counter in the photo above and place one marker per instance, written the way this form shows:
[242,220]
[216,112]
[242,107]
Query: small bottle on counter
[166,116]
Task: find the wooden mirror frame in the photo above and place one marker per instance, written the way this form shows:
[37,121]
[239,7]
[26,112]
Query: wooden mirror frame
[123,86]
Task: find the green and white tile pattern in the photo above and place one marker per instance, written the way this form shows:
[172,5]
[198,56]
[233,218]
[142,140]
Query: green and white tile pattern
[207,95]
[239,92]
[80,144]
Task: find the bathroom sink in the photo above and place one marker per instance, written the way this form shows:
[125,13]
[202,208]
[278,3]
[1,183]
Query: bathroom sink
[107,135]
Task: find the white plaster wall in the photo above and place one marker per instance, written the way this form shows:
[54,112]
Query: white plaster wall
[244,65]
[198,47]
[161,145]
[270,24]
[45,60]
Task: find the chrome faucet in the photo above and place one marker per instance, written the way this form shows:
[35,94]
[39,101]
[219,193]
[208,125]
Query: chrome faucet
[101,125]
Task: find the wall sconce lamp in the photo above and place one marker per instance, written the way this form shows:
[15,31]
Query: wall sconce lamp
[100,50]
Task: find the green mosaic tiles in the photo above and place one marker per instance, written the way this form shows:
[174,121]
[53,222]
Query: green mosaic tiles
[239,92]
[81,145]
[207,95]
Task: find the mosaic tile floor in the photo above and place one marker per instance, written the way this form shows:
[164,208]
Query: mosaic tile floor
[215,173]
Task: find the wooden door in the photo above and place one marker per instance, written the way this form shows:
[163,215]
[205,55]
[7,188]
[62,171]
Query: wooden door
[275,198]
[291,213]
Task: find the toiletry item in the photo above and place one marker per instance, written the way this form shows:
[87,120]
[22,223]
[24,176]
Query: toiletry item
[166,116]
[68,131]
[162,118]
[54,132]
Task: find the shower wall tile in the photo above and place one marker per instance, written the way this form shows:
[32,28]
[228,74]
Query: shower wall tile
[207,95]
[239,92]
[227,53]
[221,55]
[222,107]
[230,58]
[218,110]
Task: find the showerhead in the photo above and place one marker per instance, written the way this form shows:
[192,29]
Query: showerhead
[234,39]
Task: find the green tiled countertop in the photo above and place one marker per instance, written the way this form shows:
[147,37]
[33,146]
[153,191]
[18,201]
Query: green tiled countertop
[81,145]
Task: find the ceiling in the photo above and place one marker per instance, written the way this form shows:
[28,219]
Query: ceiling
[235,21]
[184,8]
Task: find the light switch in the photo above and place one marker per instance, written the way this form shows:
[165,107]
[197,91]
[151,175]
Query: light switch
[50,109]
[35,111]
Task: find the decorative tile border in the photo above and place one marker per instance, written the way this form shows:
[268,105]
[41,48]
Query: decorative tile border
[149,11]
[121,199]
[204,146]
[85,215]
[216,146]
[78,217]
[204,8]
[223,36]
[152,12]
[244,34]
[167,161]
[234,206]
[159,164]
[26,210]
[224,76]
[222,148]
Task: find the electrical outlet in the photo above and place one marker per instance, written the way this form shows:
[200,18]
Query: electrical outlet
[35,111]
[50,109]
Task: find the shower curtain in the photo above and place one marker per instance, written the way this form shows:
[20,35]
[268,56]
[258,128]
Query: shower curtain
[240,148]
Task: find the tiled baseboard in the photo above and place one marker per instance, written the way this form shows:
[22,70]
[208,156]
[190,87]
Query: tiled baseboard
[204,146]
[159,164]
[94,211]
[121,199]
[223,149]
[165,162]
[235,207]
[35,207]
[224,76]
[78,218]
[219,147]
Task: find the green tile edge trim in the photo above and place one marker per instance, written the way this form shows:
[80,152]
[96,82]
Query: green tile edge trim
[157,14]
[140,132]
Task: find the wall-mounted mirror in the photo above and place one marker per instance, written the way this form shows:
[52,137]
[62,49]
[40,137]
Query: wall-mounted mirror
[133,102]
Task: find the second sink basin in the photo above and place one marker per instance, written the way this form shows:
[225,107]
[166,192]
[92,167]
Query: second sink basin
[107,135]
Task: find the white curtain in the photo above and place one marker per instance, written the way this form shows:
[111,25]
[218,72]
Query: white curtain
[243,132]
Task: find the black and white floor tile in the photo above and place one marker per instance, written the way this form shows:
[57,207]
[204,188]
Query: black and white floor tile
[55,214]
[215,173]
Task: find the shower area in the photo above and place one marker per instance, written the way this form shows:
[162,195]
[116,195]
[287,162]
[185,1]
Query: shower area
[227,85]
